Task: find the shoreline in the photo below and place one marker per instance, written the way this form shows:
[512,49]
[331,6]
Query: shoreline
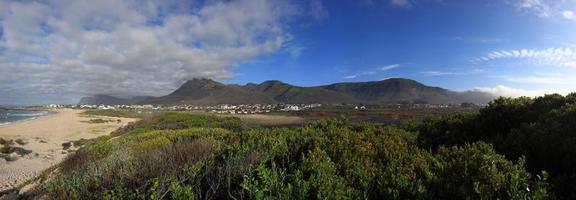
[43,139]
[50,113]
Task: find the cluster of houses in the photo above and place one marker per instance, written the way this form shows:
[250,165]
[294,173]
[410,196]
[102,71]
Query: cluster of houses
[55,106]
[440,106]
[220,109]
[260,108]
[114,107]
[252,108]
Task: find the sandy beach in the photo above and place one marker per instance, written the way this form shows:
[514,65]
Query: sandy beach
[44,137]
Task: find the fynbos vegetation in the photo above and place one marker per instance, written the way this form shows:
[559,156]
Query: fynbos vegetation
[541,131]
[188,156]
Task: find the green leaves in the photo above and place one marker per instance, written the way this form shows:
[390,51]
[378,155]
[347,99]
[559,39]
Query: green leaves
[543,130]
[325,182]
[201,157]
[476,171]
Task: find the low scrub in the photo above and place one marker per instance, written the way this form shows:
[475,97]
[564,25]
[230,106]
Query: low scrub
[186,156]
[118,113]
[99,121]
[540,132]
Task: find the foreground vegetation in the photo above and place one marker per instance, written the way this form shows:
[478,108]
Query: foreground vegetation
[541,131]
[187,156]
[121,113]
[512,149]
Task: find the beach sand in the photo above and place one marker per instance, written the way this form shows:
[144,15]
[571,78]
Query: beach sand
[45,136]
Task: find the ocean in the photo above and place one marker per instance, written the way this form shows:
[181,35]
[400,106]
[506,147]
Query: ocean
[8,116]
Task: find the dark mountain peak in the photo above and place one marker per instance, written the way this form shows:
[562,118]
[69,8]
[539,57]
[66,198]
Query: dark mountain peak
[387,85]
[393,90]
[274,86]
[207,91]
[273,82]
[401,81]
[403,84]
[251,84]
[385,81]
[197,88]
[201,82]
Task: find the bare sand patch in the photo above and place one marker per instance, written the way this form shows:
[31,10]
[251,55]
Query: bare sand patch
[44,137]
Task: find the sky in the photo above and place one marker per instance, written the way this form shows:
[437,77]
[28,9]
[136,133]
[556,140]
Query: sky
[57,51]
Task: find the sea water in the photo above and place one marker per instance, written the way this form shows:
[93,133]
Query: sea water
[8,116]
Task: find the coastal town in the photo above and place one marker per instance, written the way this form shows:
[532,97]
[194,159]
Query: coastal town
[218,109]
[256,108]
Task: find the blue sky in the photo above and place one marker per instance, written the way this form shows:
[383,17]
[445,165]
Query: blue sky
[57,51]
[436,43]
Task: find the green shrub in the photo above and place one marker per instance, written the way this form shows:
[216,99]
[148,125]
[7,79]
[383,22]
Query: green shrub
[482,174]
[542,130]
[187,156]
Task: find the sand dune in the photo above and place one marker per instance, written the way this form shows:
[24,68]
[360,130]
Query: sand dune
[44,137]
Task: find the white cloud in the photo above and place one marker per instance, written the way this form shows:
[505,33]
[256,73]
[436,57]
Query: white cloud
[568,14]
[550,9]
[561,57]
[452,73]
[374,71]
[547,8]
[548,79]
[134,47]
[505,91]
[540,7]
[439,73]
[317,9]
[401,3]
[390,67]
[482,40]
[294,49]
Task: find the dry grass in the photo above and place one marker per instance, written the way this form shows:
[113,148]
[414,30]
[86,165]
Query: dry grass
[173,159]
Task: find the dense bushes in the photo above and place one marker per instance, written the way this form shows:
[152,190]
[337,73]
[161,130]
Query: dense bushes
[543,130]
[174,121]
[476,171]
[118,113]
[184,156]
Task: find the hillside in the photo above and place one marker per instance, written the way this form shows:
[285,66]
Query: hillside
[396,90]
[206,91]
[286,93]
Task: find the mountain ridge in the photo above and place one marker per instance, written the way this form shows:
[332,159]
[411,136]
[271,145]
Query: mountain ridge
[204,91]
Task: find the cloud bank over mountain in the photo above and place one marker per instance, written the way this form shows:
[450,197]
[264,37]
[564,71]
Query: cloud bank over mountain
[134,47]
[56,51]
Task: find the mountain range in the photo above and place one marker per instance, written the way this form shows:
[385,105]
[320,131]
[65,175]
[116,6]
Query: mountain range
[395,90]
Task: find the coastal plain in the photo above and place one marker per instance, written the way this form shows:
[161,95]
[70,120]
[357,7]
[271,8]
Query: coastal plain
[49,140]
